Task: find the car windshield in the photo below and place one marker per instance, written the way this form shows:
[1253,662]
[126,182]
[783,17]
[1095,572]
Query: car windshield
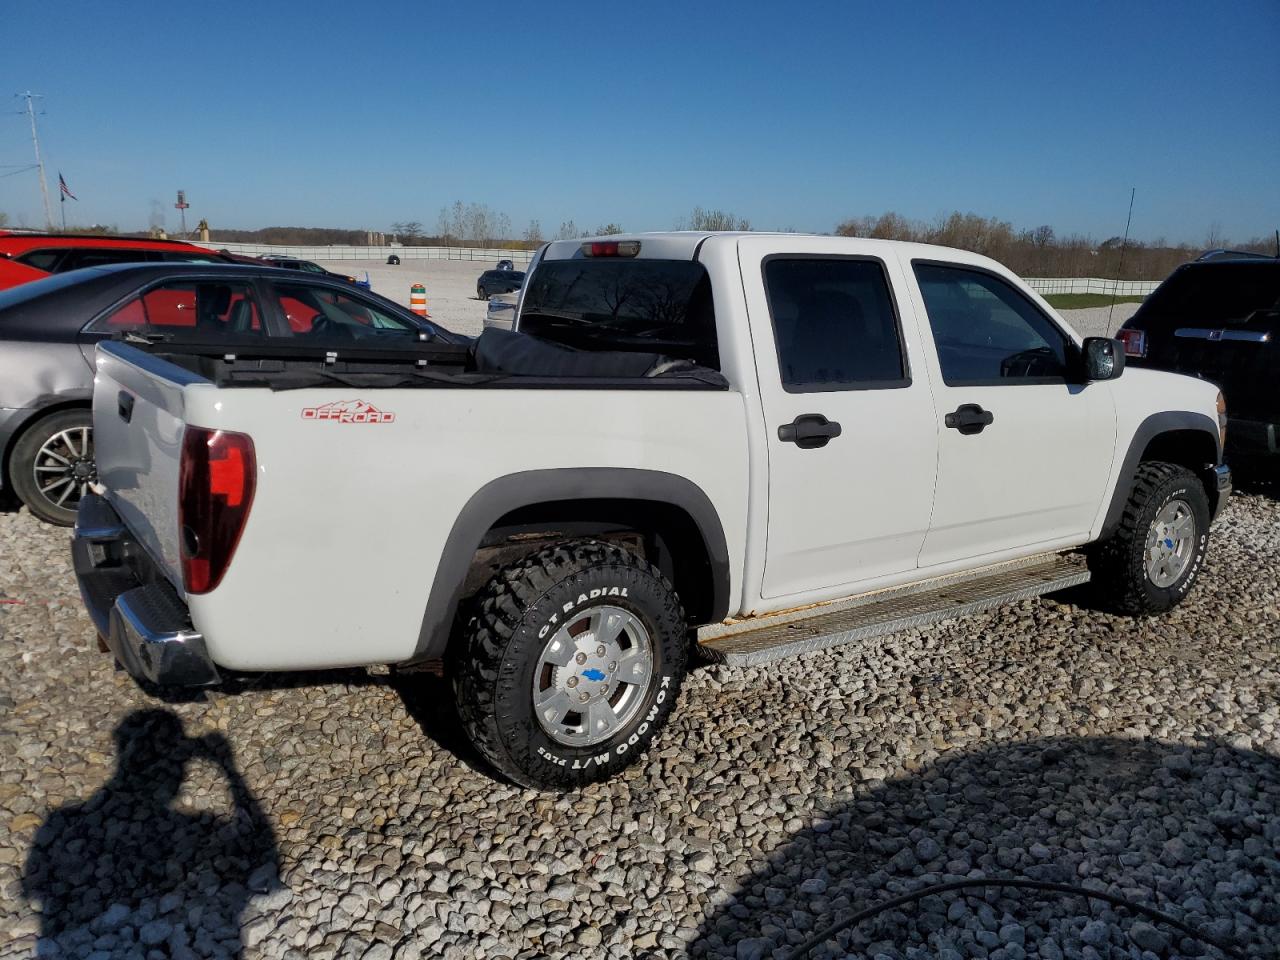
[662,306]
[1215,293]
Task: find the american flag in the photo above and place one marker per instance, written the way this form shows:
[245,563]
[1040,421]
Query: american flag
[66,191]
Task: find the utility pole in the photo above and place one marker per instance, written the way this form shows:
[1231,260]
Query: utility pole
[35,141]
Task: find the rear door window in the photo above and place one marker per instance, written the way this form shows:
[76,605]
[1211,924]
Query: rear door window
[834,324]
[199,308]
[656,306]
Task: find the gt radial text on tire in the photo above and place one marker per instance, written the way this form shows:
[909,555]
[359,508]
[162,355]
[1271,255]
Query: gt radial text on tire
[1155,554]
[571,664]
[52,465]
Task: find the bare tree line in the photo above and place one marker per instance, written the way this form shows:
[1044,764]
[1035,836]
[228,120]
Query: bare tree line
[1040,252]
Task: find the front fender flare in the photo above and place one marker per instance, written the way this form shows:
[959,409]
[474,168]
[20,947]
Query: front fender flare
[1165,422]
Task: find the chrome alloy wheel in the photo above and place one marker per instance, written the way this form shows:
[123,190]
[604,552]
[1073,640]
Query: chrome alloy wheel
[64,466]
[1171,543]
[592,676]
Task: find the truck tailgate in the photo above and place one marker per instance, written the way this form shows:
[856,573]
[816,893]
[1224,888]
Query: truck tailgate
[138,408]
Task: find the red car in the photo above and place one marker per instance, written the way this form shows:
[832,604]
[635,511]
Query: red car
[30,256]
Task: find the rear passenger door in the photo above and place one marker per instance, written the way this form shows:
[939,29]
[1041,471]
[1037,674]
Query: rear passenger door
[1025,448]
[850,430]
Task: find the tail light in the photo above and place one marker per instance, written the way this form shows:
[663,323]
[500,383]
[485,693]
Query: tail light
[1135,342]
[216,480]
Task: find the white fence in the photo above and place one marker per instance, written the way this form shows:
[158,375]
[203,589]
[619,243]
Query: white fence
[1041,285]
[1117,288]
[374,253]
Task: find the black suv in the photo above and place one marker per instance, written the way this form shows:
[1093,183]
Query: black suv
[498,281]
[1218,318]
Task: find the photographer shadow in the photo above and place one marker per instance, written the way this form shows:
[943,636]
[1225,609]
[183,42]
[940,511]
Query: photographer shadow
[1191,831]
[126,871]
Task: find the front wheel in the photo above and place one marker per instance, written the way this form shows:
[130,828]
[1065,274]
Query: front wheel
[571,665]
[1155,554]
[481,293]
[52,465]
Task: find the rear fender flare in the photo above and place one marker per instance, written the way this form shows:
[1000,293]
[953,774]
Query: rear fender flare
[514,491]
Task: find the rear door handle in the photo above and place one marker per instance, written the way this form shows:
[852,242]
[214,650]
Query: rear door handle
[809,431]
[125,406]
[969,418]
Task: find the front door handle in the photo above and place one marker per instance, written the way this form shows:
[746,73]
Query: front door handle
[809,431]
[969,418]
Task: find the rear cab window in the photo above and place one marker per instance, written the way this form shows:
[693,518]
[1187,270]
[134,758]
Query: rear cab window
[1213,295]
[628,304]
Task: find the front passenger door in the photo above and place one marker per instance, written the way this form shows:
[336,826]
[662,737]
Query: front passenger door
[1025,449]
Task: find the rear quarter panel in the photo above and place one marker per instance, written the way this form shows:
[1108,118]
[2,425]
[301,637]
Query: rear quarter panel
[349,520]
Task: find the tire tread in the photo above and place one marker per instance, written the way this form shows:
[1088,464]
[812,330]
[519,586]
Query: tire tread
[498,610]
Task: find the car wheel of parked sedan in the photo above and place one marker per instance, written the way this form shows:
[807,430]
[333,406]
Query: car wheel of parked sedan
[52,465]
[571,664]
[481,294]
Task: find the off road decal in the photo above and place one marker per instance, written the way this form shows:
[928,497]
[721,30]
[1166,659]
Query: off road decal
[348,411]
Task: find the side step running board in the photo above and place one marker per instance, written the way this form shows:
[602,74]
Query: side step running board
[889,611]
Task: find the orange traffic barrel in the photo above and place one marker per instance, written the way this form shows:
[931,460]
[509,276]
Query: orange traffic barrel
[418,299]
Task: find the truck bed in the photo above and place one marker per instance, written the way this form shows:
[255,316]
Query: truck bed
[497,359]
[362,478]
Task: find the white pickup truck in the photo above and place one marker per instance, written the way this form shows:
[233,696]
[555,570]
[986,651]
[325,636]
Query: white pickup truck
[748,445]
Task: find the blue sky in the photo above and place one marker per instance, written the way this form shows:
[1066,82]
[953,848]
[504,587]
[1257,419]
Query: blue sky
[795,115]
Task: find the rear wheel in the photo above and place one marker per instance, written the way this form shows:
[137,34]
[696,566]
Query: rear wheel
[481,293]
[52,465]
[1153,558]
[571,665]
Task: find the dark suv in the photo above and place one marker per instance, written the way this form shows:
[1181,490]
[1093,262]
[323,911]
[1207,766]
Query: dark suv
[1218,318]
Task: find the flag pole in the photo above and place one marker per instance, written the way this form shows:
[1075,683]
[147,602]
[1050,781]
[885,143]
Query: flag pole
[62,197]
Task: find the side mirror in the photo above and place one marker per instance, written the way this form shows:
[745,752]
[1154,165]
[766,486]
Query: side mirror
[1103,358]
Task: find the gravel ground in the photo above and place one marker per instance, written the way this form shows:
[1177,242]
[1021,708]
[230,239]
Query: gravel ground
[342,815]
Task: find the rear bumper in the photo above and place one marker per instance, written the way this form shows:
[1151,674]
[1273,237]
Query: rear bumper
[1253,438]
[145,623]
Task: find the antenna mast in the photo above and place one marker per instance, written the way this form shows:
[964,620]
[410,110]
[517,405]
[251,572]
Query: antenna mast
[1120,267]
[35,141]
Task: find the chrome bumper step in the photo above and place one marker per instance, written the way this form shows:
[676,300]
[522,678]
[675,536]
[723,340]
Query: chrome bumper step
[771,638]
